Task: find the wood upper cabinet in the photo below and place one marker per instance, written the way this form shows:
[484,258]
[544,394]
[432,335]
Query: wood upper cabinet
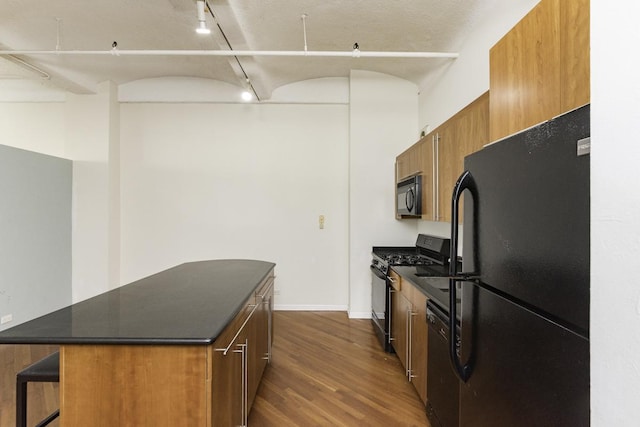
[442,154]
[409,163]
[463,134]
[575,47]
[540,68]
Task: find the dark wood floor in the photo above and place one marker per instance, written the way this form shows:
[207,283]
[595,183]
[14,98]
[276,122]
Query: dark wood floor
[329,370]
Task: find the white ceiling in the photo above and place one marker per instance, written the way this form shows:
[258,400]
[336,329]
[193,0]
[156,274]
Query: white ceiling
[273,25]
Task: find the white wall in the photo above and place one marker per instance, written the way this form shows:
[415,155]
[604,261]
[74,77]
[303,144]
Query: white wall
[250,180]
[34,126]
[383,123]
[468,76]
[83,128]
[615,210]
[203,181]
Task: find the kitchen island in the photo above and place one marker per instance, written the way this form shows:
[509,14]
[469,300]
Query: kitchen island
[186,346]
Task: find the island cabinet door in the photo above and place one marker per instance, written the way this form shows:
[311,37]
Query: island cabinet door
[230,370]
[260,339]
[228,386]
[134,385]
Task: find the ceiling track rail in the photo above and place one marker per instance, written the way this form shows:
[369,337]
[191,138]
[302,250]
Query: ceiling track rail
[281,53]
[24,64]
[246,79]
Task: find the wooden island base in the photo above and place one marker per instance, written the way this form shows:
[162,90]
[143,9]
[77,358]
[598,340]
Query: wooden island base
[184,347]
[129,385]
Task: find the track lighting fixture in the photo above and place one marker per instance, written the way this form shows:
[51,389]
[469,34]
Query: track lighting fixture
[202,22]
[246,93]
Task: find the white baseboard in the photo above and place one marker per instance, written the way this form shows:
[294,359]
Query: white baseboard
[285,307]
[352,315]
[359,315]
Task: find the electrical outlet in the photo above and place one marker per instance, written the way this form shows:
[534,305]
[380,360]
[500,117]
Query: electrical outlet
[6,319]
[276,291]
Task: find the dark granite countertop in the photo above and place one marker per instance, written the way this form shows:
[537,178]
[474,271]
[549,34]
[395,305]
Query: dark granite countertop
[435,288]
[187,304]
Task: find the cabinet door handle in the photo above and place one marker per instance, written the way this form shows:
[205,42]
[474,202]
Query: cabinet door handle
[391,291]
[245,382]
[434,180]
[226,349]
[410,337]
[267,290]
[269,323]
[407,356]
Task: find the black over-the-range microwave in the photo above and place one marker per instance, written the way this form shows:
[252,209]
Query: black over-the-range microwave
[409,193]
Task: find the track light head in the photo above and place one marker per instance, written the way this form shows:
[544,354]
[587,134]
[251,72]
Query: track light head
[202,28]
[202,19]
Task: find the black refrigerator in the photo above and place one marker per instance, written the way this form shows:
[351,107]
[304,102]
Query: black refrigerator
[523,356]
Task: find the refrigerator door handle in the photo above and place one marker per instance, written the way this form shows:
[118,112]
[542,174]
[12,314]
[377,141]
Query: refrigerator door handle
[465,182]
[463,371]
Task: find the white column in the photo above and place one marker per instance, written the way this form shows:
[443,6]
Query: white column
[383,122]
[92,139]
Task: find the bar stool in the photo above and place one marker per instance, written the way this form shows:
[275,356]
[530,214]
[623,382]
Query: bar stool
[44,370]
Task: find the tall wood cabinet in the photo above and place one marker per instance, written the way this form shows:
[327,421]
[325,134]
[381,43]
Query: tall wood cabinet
[540,68]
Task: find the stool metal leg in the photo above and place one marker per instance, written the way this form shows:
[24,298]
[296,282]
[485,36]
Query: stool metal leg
[21,403]
[45,370]
[47,420]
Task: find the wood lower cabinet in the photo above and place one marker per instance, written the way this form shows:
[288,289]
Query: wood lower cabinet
[229,371]
[409,332]
[419,344]
[261,330]
[240,358]
[401,329]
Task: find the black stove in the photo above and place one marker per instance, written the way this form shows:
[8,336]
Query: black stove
[429,250]
[406,259]
[430,255]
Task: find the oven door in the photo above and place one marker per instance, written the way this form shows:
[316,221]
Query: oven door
[380,290]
